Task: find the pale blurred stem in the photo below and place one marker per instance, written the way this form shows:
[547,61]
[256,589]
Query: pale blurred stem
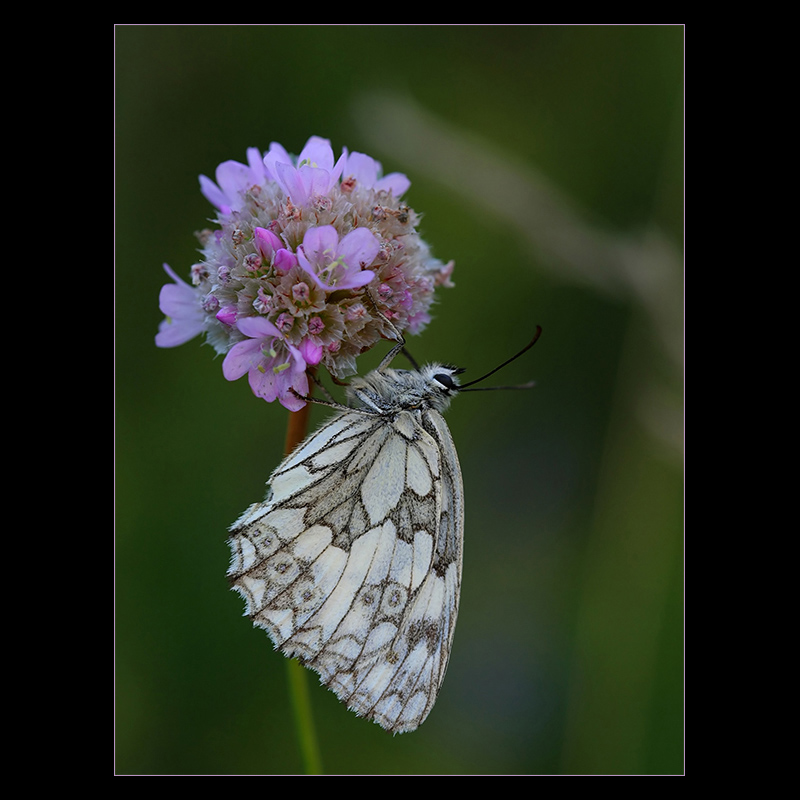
[297,674]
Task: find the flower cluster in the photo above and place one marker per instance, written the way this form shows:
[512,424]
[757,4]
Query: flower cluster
[311,257]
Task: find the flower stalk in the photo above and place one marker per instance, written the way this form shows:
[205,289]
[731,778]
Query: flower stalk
[297,675]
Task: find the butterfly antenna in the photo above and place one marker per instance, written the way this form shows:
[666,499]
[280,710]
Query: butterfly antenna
[411,359]
[504,364]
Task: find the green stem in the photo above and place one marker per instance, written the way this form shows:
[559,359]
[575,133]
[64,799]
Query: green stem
[304,722]
[297,674]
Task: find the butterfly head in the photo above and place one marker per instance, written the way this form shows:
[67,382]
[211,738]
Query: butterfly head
[441,381]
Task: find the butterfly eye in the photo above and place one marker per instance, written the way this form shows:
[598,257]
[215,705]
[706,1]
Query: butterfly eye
[446,380]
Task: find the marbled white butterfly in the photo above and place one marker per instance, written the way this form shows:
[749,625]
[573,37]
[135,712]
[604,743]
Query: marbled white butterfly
[352,563]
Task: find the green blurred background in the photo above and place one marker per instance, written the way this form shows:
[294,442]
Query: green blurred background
[548,163]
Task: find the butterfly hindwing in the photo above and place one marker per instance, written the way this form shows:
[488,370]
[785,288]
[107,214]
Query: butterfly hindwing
[353,562]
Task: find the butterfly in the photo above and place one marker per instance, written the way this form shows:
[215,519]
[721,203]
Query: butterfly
[352,563]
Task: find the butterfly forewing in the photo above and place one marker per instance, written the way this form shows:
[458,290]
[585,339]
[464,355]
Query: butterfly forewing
[353,562]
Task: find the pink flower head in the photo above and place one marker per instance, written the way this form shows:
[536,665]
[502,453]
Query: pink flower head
[338,263]
[367,173]
[279,287]
[313,174]
[273,366]
[181,305]
[233,180]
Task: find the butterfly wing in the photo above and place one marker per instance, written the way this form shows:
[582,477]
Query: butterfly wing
[353,562]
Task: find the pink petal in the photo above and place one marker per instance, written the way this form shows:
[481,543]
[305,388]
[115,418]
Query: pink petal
[263,384]
[284,260]
[315,181]
[276,155]
[257,328]
[234,178]
[266,243]
[317,242]
[359,248]
[317,153]
[172,333]
[356,280]
[289,180]
[363,168]
[396,183]
[242,358]
[311,352]
[289,400]
[214,194]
